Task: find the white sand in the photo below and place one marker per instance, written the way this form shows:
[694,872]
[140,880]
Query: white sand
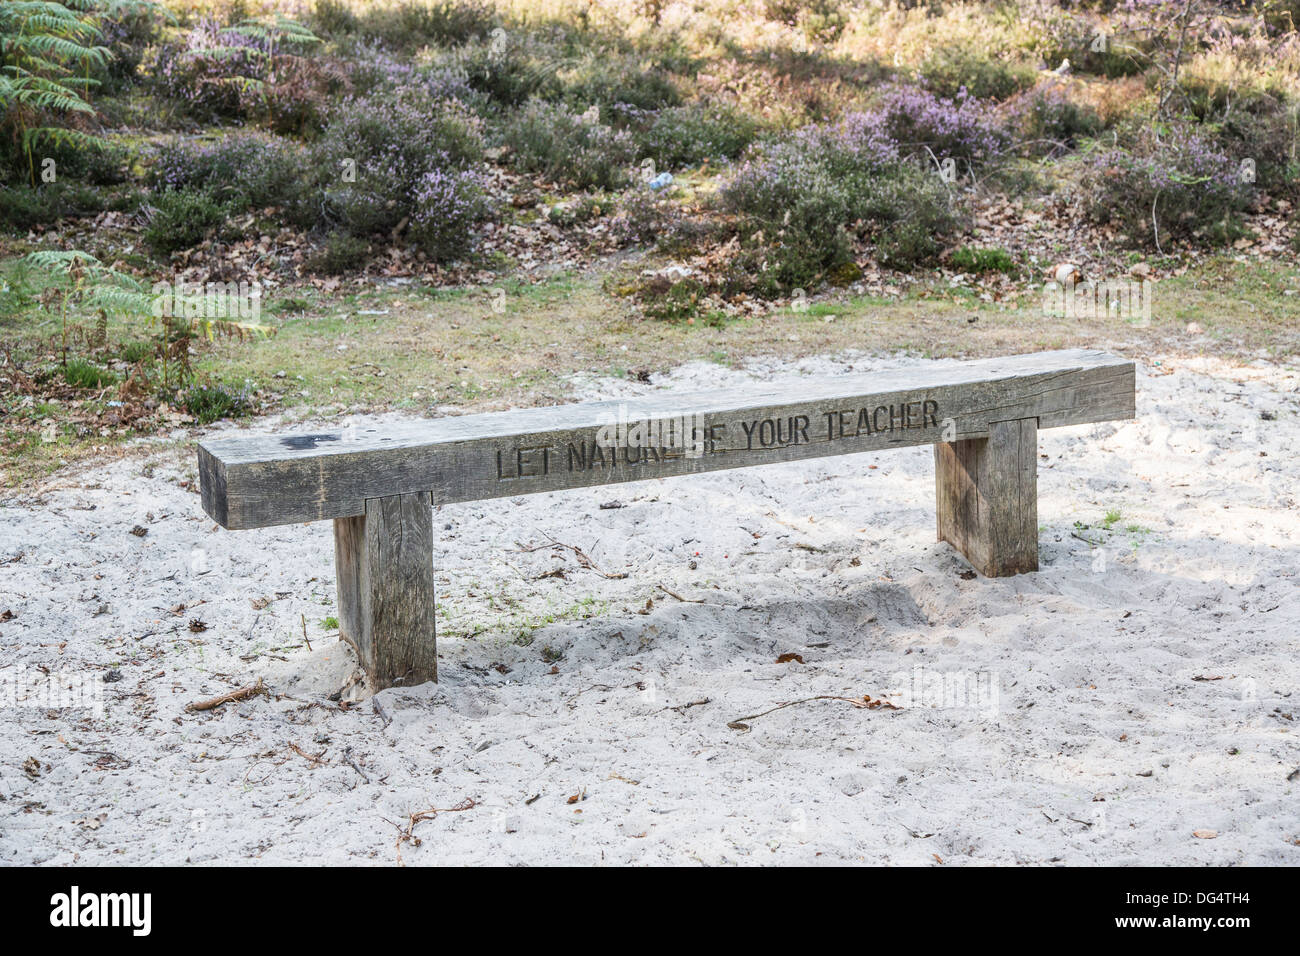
[1088,739]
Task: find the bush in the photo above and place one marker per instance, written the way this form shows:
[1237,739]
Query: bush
[246,71]
[602,79]
[1046,122]
[952,71]
[1177,177]
[412,156]
[960,127]
[338,254]
[980,260]
[182,218]
[210,403]
[408,25]
[688,135]
[23,206]
[445,206]
[643,216]
[564,146]
[808,197]
[242,170]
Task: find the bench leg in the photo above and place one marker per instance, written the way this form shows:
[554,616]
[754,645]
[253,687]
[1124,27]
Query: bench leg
[987,497]
[384,564]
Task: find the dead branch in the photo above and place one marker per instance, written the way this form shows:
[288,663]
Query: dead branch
[866,702]
[243,693]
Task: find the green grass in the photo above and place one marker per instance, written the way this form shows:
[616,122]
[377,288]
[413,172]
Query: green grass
[81,373]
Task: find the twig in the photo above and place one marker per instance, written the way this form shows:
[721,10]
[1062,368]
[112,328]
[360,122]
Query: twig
[679,597]
[242,693]
[304,630]
[584,559]
[317,760]
[408,835]
[865,702]
[351,762]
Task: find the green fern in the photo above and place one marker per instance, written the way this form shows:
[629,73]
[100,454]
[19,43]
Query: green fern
[47,53]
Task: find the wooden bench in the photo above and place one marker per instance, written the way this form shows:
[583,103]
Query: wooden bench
[378,483]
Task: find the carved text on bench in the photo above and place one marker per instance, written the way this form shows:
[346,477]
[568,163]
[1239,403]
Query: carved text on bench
[638,443]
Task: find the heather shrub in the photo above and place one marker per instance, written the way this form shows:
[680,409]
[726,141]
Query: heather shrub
[224,73]
[1177,183]
[805,200]
[1047,121]
[339,253]
[603,79]
[511,69]
[566,146]
[960,127]
[951,71]
[681,136]
[445,205]
[179,219]
[242,170]
[403,156]
[23,206]
[410,24]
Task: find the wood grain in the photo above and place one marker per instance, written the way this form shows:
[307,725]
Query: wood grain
[257,481]
[986,498]
[384,564]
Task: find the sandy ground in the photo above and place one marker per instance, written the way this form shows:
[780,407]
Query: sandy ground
[1137,689]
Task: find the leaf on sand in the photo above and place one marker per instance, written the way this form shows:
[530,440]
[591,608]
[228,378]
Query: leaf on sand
[1205,834]
[787,658]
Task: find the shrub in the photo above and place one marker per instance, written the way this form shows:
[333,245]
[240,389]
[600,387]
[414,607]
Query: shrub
[1046,121]
[412,157]
[643,216]
[236,72]
[243,170]
[339,253]
[182,218]
[562,145]
[978,259]
[410,24]
[23,206]
[951,71]
[511,69]
[688,135]
[602,79]
[210,403]
[808,197]
[960,127]
[445,206]
[1177,177]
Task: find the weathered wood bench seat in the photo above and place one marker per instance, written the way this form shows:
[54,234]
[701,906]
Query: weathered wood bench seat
[378,484]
